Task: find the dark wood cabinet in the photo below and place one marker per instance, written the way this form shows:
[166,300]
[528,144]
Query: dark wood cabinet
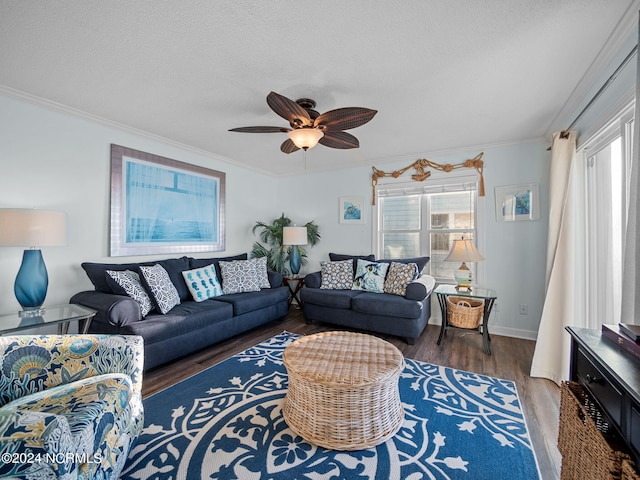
[611,377]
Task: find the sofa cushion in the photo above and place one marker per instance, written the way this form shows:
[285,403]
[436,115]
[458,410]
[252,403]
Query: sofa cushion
[174,267]
[128,283]
[339,257]
[240,276]
[159,284]
[421,262]
[181,319]
[399,276]
[250,301]
[329,298]
[387,305]
[370,276]
[97,273]
[202,283]
[337,275]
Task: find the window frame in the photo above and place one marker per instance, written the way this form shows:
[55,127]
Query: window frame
[621,126]
[437,183]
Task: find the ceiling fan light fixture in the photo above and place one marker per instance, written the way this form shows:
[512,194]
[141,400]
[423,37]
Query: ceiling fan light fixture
[305,137]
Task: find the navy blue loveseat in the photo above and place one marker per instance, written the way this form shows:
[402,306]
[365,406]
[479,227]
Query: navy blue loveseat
[189,326]
[402,316]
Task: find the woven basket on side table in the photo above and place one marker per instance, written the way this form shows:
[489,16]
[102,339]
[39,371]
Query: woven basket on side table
[463,312]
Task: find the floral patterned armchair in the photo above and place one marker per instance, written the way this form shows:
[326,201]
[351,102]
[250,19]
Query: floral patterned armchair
[70,405]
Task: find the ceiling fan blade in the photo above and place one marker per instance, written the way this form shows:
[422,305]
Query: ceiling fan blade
[344,118]
[342,140]
[260,129]
[288,109]
[288,146]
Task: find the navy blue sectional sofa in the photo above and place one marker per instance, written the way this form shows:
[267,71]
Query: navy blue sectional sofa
[188,326]
[402,316]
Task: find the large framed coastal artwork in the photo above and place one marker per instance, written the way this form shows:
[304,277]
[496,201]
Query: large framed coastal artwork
[160,205]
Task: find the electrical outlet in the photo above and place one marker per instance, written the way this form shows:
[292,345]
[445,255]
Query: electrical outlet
[524,309]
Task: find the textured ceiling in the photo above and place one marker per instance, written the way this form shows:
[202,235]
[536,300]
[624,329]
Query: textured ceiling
[443,75]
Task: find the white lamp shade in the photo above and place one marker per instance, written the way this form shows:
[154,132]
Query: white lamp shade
[22,227]
[463,251]
[305,137]
[294,236]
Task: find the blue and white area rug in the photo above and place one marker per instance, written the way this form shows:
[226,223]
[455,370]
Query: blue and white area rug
[226,423]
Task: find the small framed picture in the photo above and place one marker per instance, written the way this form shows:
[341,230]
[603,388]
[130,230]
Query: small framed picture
[517,203]
[351,210]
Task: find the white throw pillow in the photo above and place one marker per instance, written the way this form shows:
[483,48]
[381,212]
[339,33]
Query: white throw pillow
[162,290]
[130,282]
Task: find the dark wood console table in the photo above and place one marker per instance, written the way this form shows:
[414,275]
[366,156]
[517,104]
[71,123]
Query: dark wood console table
[611,377]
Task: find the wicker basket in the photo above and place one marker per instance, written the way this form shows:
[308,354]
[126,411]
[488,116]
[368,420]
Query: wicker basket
[629,471]
[588,451]
[343,390]
[464,312]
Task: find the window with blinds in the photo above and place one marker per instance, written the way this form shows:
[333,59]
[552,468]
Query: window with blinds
[424,220]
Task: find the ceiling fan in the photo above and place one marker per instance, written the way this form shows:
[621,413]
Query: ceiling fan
[308,127]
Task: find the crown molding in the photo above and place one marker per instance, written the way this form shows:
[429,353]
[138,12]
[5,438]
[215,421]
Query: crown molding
[61,108]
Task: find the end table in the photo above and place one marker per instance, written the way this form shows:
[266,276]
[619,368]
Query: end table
[60,315]
[294,292]
[489,297]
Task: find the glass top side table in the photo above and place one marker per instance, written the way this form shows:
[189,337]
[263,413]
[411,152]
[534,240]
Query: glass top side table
[61,315]
[489,296]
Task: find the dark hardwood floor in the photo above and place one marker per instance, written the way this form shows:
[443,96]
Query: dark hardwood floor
[510,359]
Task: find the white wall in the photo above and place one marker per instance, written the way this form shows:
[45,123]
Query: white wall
[515,252]
[53,160]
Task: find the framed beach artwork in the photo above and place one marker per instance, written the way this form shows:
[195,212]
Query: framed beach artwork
[351,210]
[161,206]
[517,202]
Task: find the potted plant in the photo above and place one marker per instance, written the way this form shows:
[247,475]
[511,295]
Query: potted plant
[272,248]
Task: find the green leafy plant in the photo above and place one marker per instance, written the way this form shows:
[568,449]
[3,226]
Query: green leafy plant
[271,247]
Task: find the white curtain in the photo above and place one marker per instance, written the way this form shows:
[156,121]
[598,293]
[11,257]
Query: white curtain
[565,289]
[631,269]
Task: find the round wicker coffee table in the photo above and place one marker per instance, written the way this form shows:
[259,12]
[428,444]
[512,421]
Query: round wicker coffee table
[343,390]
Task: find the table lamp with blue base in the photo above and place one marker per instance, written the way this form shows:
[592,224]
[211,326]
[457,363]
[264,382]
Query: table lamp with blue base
[294,236]
[32,228]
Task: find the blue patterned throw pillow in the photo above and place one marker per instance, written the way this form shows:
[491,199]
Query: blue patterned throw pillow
[203,283]
[163,292]
[370,276]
